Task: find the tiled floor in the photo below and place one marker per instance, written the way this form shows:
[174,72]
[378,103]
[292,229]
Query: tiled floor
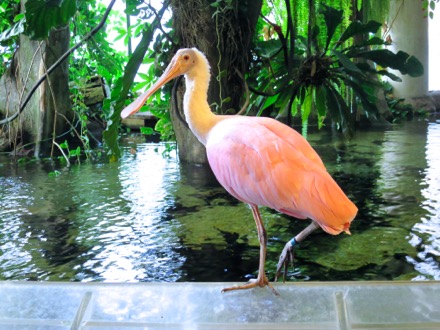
[336,305]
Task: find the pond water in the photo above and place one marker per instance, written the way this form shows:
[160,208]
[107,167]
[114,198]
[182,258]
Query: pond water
[150,218]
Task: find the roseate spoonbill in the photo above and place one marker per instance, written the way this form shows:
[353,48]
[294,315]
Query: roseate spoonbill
[259,161]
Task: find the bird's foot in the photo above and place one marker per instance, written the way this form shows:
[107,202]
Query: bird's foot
[286,259]
[260,281]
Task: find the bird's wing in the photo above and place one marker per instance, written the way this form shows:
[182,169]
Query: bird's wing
[263,162]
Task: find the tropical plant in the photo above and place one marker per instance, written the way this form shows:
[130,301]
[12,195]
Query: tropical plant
[11,25]
[150,49]
[311,61]
[330,75]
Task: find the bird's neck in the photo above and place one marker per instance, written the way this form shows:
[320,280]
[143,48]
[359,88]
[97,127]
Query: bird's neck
[198,114]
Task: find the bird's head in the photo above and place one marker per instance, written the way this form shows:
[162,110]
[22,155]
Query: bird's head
[182,62]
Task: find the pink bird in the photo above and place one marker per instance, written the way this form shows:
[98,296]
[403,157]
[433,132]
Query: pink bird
[259,161]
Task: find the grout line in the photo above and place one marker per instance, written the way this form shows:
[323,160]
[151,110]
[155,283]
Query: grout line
[342,313]
[410,326]
[35,323]
[85,301]
[210,326]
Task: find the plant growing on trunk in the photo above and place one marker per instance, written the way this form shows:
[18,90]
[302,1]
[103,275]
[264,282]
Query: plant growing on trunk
[330,75]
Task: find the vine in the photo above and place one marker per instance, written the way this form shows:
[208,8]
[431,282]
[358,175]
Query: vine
[225,15]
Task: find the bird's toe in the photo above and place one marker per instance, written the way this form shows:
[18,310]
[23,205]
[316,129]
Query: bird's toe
[286,259]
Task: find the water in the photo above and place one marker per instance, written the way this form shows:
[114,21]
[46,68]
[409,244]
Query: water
[149,218]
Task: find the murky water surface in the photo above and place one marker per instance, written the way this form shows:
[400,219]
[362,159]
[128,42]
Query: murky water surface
[149,218]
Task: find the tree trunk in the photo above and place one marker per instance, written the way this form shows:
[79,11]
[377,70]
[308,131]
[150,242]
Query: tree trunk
[56,107]
[409,33]
[224,35]
[48,112]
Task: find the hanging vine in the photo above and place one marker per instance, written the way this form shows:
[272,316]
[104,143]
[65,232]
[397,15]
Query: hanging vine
[376,10]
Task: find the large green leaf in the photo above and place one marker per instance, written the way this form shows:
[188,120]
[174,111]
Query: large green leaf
[307,105]
[332,18]
[339,110]
[320,98]
[389,75]
[360,46]
[121,89]
[367,68]
[268,48]
[269,101]
[357,27]
[368,99]
[346,62]
[43,15]
[405,63]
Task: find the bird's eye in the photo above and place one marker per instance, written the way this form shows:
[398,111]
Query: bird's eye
[186,57]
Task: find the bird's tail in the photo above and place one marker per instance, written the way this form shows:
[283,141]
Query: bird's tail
[332,209]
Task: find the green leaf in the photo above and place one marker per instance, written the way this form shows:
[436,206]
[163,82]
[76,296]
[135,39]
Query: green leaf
[119,37]
[54,174]
[140,86]
[268,48]
[346,62]
[358,27]
[354,49]
[315,37]
[339,110]
[405,63]
[294,107]
[19,17]
[147,130]
[368,99]
[332,18]
[269,101]
[148,60]
[320,98]
[120,91]
[367,68]
[42,16]
[389,75]
[144,76]
[307,105]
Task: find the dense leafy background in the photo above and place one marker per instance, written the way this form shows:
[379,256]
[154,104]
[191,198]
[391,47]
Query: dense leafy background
[309,57]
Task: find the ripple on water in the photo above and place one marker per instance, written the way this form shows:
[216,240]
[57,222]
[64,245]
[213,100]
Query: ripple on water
[149,218]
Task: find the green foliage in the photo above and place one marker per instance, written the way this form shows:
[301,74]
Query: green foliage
[54,174]
[68,153]
[151,50]
[11,31]
[376,10]
[311,60]
[97,58]
[429,7]
[11,25]
[331,75]
[121,90]
[43,15]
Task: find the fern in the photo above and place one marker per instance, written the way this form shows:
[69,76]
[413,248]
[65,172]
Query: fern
[376,10]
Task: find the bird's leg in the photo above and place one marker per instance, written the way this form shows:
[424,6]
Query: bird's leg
[287,256]
[262,279]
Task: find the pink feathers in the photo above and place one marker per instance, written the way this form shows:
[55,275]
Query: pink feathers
[263,162]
